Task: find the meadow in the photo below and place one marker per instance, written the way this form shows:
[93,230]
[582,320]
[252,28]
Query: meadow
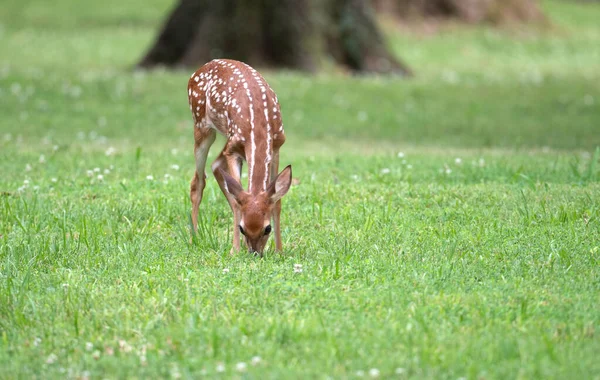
[445,226]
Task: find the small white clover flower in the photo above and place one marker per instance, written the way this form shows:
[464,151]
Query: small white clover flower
[28,168]
[225,270]
[220,367]
[374,372]
[106,171]
[446,169]
[385,171]
[255,360]
[54,179]
[297,268]
[124,346]
[96,355]
[458,161]
[89,346]
[96,170]
[175,167]
[55,148]
[150,178]
[42,159]
[241,367]
[51,359]
[110,151]
[400,154]
[37,341]
[90,173]
[100,177]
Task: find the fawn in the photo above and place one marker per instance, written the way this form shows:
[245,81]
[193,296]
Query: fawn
[233,99]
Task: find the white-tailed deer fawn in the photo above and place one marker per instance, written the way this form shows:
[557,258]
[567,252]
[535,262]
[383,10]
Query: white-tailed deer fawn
[232,98]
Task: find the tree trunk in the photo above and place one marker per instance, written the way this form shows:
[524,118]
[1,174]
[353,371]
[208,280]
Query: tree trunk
[294,34]
[473,11]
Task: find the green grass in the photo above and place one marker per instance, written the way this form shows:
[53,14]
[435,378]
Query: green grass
[481,267]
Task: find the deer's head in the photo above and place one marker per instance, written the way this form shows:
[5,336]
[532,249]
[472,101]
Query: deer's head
[257,209]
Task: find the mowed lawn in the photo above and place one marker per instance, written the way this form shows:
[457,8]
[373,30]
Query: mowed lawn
[445,226]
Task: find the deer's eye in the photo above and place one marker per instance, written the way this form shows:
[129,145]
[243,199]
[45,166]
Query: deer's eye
[242,230]
[268,229]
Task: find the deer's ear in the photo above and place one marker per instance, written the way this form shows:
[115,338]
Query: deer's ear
[232,186]
[280,186]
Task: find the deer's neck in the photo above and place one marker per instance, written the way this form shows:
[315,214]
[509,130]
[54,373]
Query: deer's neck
[259,154]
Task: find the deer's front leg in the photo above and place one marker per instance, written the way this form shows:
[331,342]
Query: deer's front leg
[233,166]
[277,209]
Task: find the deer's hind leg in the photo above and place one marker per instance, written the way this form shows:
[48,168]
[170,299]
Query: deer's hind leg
[203,139]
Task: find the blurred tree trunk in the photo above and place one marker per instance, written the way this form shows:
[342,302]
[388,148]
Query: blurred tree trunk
[474,11]
[294,34]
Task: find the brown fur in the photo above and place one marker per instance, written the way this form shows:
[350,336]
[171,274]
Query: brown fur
[233,99]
